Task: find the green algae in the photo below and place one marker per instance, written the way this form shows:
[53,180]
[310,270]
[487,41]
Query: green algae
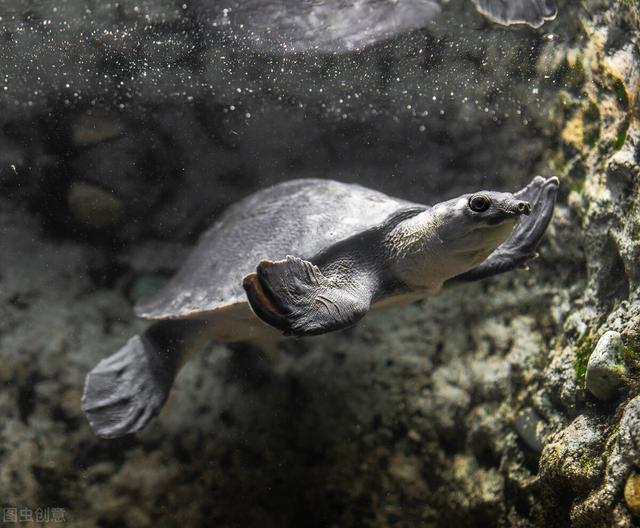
[630,353]
[591,124]
[577,186]
[621,137]
[576,74]
[589,465]
[584,348]
[627,3]
[621,94]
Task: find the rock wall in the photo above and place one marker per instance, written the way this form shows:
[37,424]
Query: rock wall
[511,402]
[592,374]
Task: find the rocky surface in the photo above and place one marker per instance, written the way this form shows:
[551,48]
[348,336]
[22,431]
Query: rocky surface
[132,126]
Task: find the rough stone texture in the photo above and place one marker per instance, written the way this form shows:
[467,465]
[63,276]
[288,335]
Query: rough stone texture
[595,118]
[605,370]
[466,410]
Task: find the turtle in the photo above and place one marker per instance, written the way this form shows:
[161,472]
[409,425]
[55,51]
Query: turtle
[340,26]
[306,257]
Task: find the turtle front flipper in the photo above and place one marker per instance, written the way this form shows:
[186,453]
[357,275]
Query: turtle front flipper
[126,390]
[531,12]
[521,245]
[294,296]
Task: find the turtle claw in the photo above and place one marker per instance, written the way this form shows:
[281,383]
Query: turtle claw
[532,192]
[541,193]
[127,389]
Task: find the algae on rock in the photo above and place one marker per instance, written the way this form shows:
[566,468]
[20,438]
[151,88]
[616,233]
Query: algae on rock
[597,122]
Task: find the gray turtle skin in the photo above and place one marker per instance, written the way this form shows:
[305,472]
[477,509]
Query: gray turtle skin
[307,257]
[338,26]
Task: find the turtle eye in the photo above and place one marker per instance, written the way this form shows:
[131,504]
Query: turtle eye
[479,203]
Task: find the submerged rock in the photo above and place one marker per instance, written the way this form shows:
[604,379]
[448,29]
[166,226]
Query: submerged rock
[605,370]
[91,128]
[94,207]
[632,493]
[531,429]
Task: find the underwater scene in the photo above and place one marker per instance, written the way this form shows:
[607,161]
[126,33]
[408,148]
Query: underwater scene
[320,263]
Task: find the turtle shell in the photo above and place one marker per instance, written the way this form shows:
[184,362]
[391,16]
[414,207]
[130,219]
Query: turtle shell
[299,217]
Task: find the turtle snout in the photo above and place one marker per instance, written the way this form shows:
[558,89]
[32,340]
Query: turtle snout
[523,207]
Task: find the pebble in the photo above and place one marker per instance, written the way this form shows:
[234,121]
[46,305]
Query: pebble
[605,371]
[94,207]
[531,429]
[90,129]
[632,493]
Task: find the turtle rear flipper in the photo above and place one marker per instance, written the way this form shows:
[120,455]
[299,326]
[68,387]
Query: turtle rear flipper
[531,12]
[127,389]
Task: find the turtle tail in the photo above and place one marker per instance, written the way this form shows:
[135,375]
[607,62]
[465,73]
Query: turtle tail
[126,390]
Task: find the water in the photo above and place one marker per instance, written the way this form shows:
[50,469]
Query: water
[128,128]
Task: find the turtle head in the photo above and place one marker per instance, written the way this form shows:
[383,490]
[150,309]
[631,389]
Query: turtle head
[490,208]
[454,236]
[478,222]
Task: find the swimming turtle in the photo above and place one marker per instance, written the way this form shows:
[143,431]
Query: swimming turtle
[307,257]
[337,26]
